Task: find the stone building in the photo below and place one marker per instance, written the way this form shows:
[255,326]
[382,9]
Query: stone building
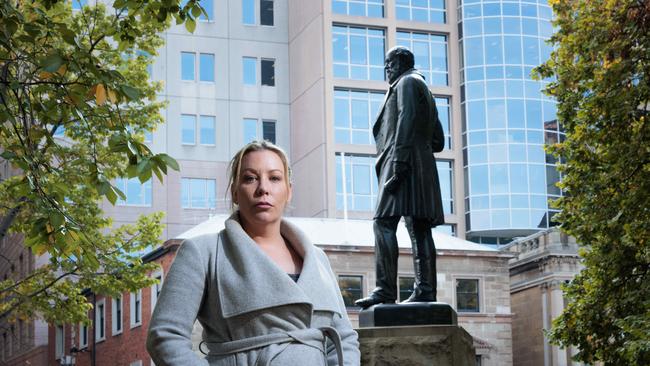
[542,263]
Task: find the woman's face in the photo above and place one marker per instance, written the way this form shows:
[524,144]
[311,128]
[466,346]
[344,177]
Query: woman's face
[262,190]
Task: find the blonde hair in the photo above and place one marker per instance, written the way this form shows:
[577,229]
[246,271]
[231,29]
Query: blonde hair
[235,164]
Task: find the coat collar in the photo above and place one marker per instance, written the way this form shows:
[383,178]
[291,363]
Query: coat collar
[248,280]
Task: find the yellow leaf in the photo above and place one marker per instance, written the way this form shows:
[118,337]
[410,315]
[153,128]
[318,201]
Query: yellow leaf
[61,71]
[44,75]
[112,96]
[100,94]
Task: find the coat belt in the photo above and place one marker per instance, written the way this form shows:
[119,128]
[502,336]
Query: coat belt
[312,337]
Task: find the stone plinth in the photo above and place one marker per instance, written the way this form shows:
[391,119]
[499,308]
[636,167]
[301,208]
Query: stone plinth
[439,345]
[416,313]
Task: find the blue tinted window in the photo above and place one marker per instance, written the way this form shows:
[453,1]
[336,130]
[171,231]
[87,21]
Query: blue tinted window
[494,72]
[444,113]
[512,46]
[499,178]
[492,25]
[519,180]
[510,9]
[531,50]
[431,11]
[495,89]
[430,55]
[496,113]
[471,11]
[249,130]
[476,115]
[248,11]
[478,155]
[359,188]
[537,179]
[511,25]
[78,4]
[446,183]
[188,129]
[529,27]
[187,65]
[473,27]
[207,133]
[475,57]
[515,89]
[249,67]
[528,10]
[491,9]
[369,8]
[208,6]
[354,115]
[198,193]
[493,50]
[206,67]
[358,53]
[137,194]
[534,114]
[478,179]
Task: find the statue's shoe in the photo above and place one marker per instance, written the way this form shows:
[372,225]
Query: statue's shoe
[373,299]
[422,297]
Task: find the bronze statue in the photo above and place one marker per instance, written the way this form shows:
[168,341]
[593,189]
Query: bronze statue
[407,132]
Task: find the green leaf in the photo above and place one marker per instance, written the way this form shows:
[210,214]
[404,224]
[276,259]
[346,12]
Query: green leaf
[52,62]
[8,155]
[57,219]
[190,25]
[196,11]
[171,162]
[131,92]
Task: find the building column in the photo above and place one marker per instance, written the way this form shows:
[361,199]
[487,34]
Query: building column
[546,323]
[559,355]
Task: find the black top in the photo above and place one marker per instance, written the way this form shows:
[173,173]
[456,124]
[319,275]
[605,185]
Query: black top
[294,276]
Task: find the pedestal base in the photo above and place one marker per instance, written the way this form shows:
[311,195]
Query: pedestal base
[417,313]
[440,345]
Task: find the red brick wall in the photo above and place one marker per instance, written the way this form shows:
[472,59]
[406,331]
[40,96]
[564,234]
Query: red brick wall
[124,348]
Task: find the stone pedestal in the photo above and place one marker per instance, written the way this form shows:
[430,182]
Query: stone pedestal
[416,313]
[439,345]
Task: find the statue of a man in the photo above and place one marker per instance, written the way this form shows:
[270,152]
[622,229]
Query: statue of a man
[407,133]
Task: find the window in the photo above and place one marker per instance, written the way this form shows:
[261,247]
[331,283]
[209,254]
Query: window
[467,299]
[358,53]
[136,363]
[59,342]
[117,315]
[83,335]
[248,12]
[431,11]
[60,131]
[100,316]
[136,308]
[188,129]
[268,72]
[249,67]
[155,289]
[137,194]
[208,6]
[446,229]
[266,12]
[444,114]
[405,287]
[354,115]
[206,67]
[360,189]
[187,66]
[430,51]
[78,4]
[207,135]
[367,8]
[198,193]
[446,179]
[250,130]
[350,289]
[268,131]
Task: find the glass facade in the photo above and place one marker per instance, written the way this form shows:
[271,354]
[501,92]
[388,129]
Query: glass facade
[137,194]
[187,65]
[506,119]
[206,67]
[430,11]
[207,133]
[354,114]
[430,51]
[358,52]
[366,8]
[188,129]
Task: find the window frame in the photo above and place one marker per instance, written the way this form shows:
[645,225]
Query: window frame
[122,183]
[361,284]
[183,142]
[83,330]
[272,77]
[268,122]
[100,320]
[479,292]
[199,130]
[135,318]
[193,64]
[213,68]
[156,288]
[59,342]
[207,200]
[399,289]
[114,318]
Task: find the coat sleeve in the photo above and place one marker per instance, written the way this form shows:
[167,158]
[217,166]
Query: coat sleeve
[349,337]
[169,341]
[407,100]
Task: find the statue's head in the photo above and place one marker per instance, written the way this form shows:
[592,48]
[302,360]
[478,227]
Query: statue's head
[399,59]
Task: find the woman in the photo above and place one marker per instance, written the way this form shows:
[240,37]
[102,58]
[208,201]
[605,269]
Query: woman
[262,292]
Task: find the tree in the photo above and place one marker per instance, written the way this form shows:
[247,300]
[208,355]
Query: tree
[601,67]
[75,101]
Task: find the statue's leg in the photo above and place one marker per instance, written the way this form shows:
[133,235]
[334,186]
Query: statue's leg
[386,253]
[424,260]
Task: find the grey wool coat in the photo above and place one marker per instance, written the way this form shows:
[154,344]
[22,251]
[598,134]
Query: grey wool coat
[407,130]
[251,311]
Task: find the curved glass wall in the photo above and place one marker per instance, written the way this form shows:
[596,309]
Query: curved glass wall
[506,119]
